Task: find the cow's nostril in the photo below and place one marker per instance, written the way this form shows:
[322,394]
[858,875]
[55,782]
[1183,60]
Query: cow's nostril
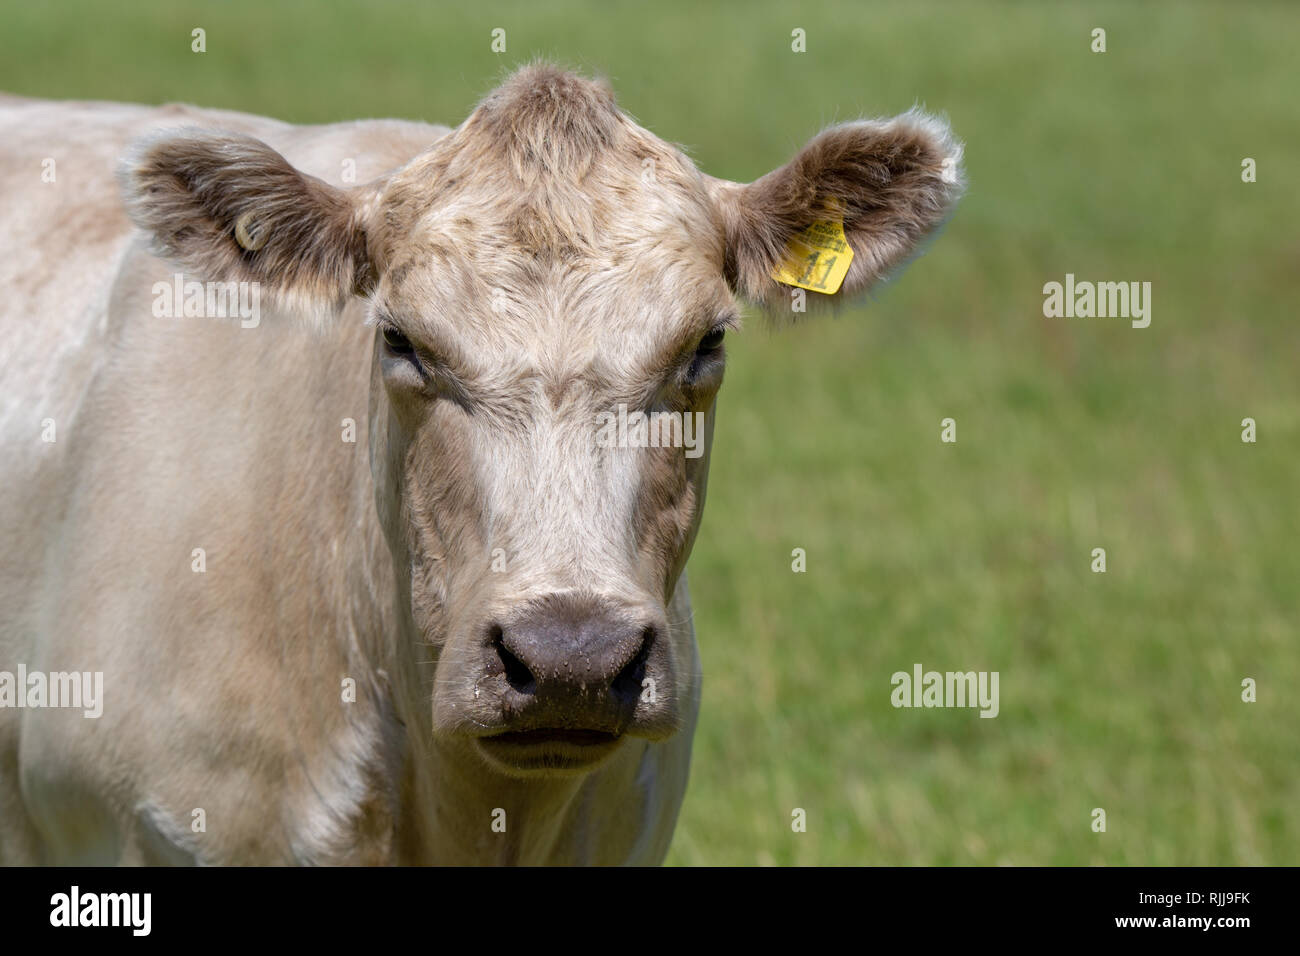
[627,684]
[517,673]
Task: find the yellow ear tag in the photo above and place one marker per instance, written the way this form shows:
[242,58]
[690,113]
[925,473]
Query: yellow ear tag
[816,258]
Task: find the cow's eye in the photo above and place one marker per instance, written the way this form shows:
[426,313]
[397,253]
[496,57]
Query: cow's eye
[712,340]
[706,363]
[396,341]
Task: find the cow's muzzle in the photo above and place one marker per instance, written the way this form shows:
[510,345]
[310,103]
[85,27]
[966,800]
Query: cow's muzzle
[574,674]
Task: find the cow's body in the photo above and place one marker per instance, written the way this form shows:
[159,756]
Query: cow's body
[223,689]
[383,592]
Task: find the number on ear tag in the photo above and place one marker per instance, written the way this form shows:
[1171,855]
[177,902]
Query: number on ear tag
[816,258]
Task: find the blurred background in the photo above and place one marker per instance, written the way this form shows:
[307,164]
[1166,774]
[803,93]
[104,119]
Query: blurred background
[1119,690]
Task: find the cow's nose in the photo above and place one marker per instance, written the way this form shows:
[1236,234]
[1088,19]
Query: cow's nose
[575,663]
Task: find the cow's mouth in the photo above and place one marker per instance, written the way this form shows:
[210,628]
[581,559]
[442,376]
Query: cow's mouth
[550,749]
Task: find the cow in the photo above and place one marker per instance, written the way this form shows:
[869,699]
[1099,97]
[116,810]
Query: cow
[359,577]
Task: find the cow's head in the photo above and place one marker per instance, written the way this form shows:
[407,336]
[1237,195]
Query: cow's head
[539,281]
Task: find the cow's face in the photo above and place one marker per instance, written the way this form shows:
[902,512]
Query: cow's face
[550,287]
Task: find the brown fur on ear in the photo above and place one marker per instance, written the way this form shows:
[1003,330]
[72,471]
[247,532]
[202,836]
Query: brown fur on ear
[227,207]
[896,181]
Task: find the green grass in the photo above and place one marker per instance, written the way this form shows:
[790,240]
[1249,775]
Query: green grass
[1120,690]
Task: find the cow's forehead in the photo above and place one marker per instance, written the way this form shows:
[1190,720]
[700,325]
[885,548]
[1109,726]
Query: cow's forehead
[614,307]
[551,215]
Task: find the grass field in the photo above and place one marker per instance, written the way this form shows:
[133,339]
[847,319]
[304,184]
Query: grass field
[1119,690]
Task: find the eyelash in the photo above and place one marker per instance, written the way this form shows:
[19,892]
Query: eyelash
[402,345]
[704,348]
[706,355]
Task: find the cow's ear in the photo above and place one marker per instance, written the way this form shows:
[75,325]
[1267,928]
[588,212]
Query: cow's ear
[227,207]
[889,183]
